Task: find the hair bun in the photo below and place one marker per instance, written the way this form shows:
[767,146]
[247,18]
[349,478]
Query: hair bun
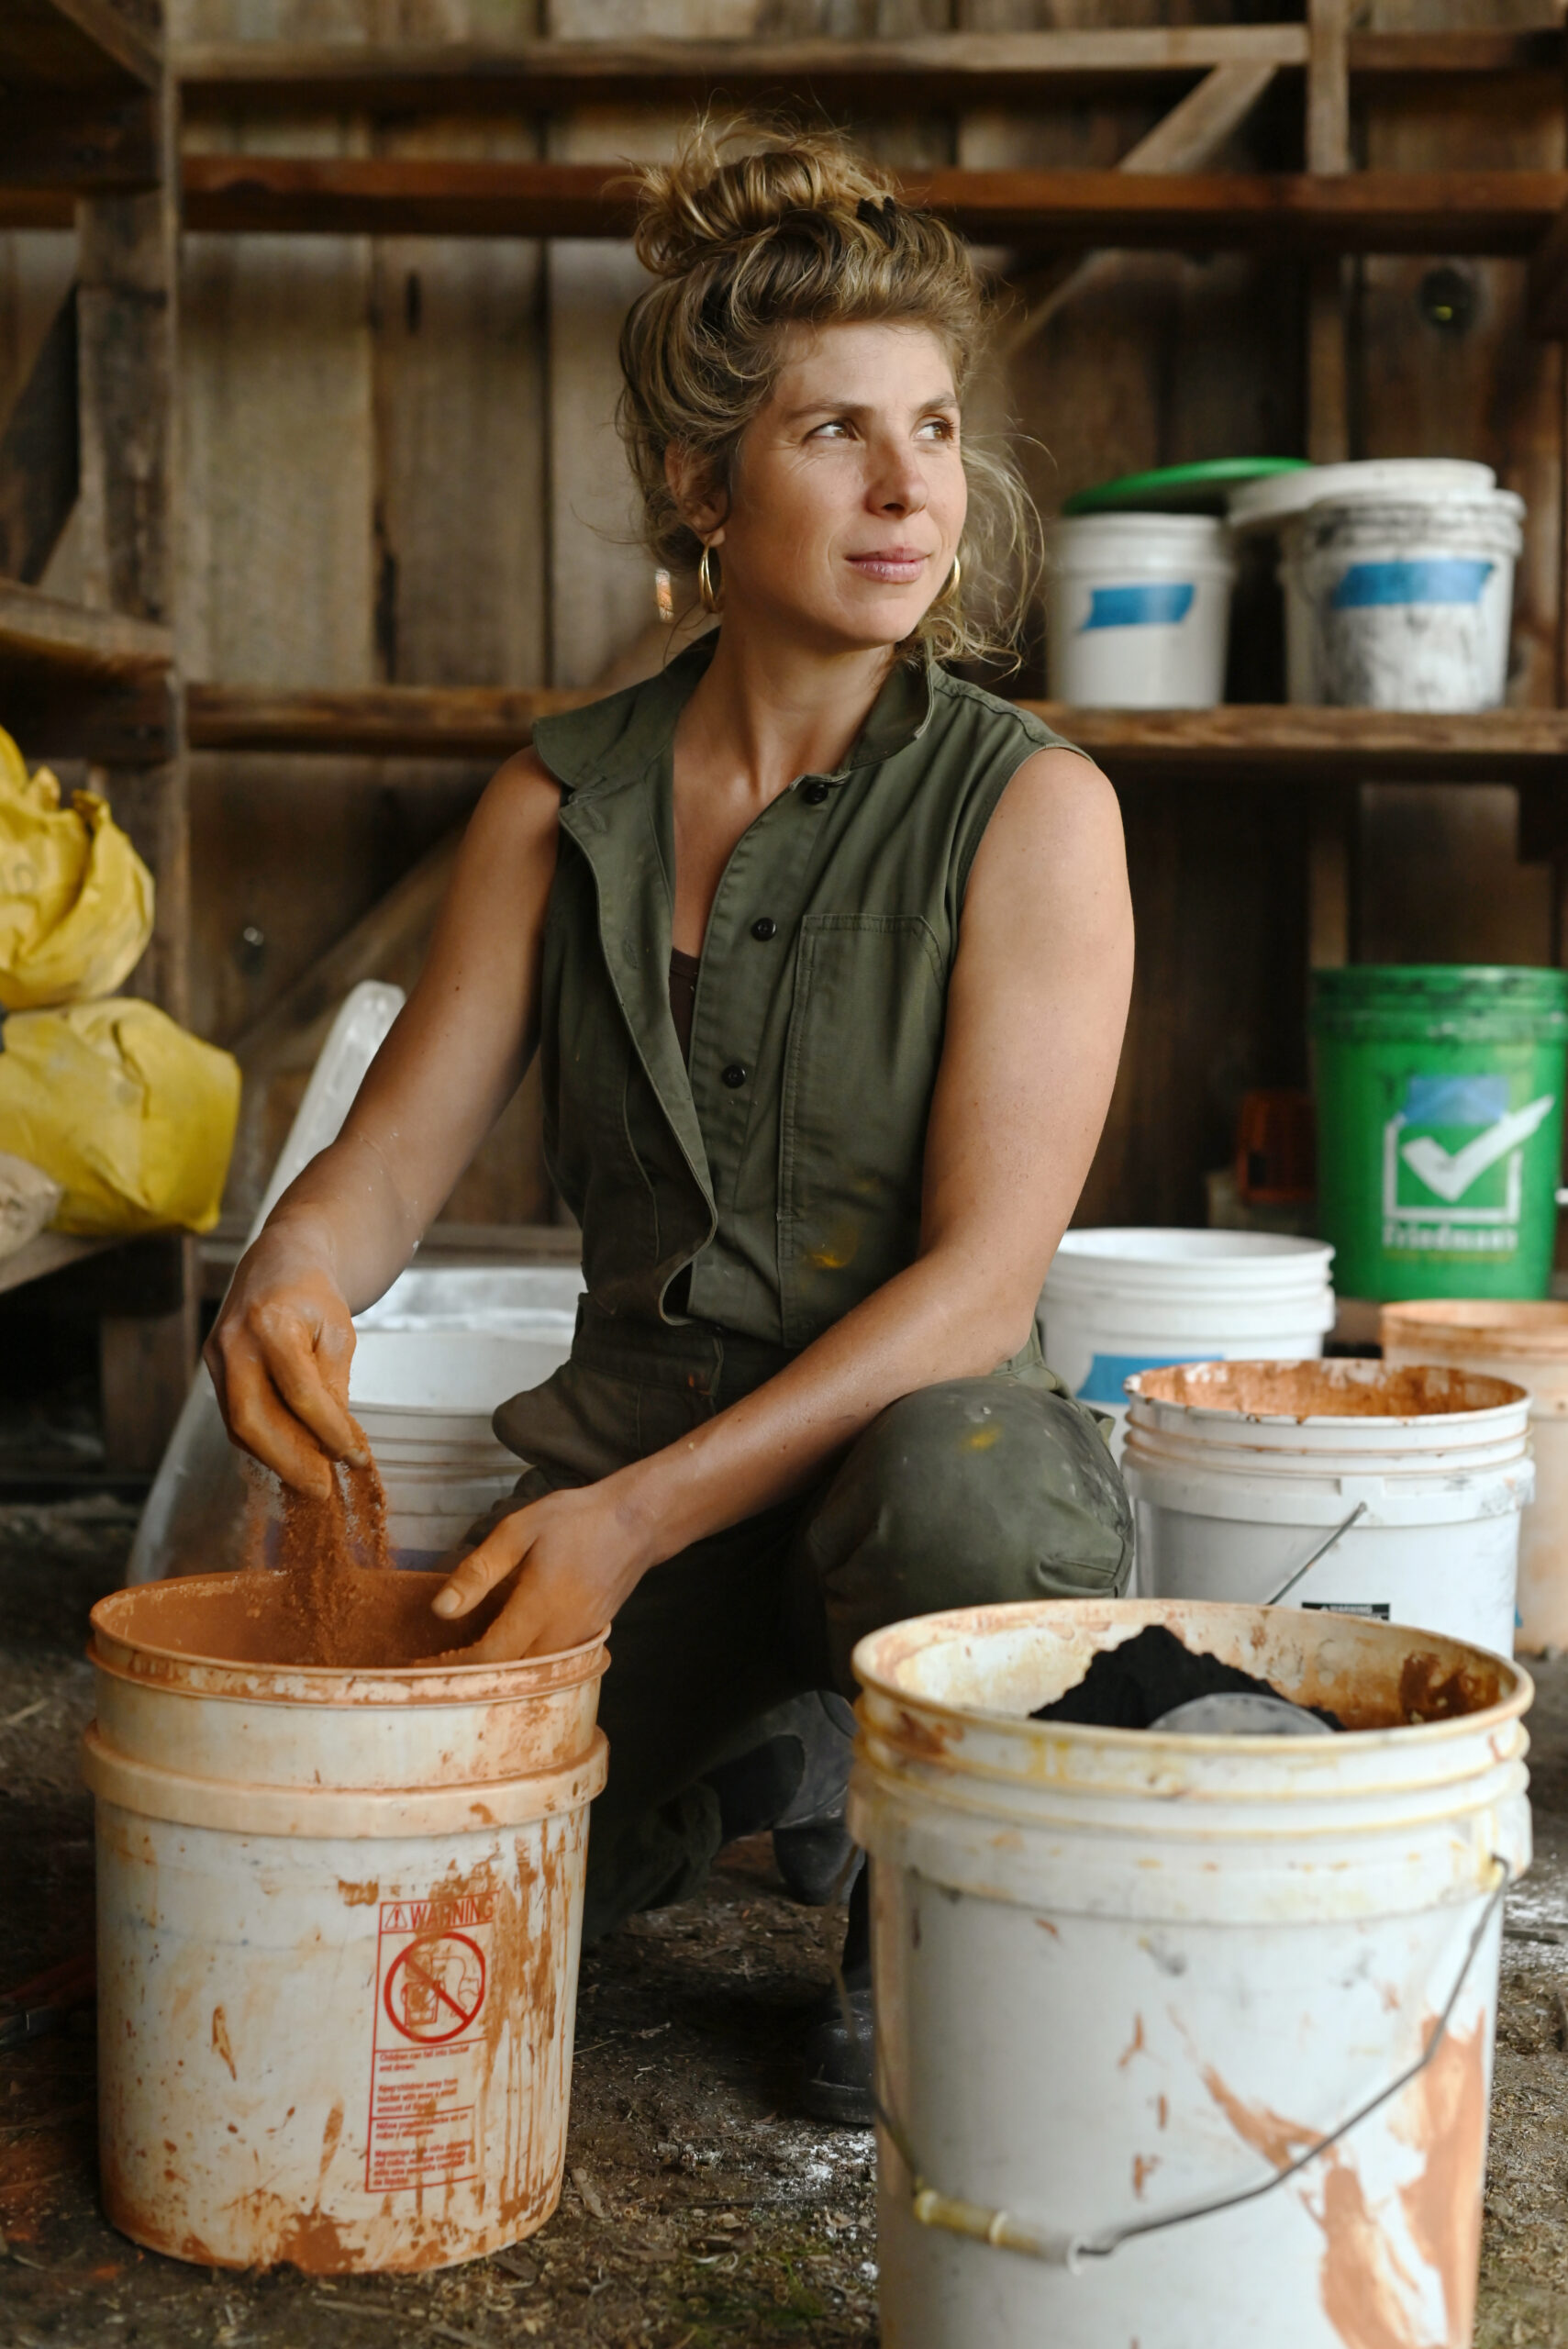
[710,201]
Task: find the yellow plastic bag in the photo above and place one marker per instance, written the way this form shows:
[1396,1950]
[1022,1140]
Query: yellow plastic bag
[133,1118]
[75,898]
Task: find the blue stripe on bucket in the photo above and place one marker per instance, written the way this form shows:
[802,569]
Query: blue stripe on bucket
[1153,603]
[1456,1100]
[1106,1372]
[1452,579]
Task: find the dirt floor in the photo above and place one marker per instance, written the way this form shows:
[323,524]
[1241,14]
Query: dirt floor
[700,2211]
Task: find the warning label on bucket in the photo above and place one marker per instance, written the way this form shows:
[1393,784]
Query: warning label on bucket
[432,1972]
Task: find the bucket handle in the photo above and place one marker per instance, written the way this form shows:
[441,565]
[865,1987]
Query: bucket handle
[1060,2247]
[1321,1552]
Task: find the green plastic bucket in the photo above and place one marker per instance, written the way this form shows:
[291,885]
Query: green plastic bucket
[1439,1127]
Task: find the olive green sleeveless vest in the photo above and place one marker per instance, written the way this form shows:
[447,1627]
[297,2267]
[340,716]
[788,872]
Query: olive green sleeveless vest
[784,1164]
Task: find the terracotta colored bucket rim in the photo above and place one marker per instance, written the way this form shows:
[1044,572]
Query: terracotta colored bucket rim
[1505,1395]
[183,1670]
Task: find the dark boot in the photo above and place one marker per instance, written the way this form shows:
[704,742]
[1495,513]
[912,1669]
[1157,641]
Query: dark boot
[812,1848]
[839,2052]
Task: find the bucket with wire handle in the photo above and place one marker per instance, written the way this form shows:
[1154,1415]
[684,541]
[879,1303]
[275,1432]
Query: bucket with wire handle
[1183,2039]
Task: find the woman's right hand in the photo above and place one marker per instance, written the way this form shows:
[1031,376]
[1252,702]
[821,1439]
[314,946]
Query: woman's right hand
[279,1355]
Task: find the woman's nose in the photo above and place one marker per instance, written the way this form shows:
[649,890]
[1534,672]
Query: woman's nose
[898,486]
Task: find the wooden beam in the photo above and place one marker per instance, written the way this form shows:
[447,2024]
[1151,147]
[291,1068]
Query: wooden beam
[1547,298]
[95,647]
[40,454]
[944,70]
[1385,212]
[49,1252]
[962,69]
[384,721]
[1190,136]
[87,148]
[79,46]
[1252,739]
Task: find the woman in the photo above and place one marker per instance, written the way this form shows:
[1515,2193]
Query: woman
[827,956]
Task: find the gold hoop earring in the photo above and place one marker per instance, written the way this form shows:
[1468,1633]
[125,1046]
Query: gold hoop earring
[709,596]
[950,586]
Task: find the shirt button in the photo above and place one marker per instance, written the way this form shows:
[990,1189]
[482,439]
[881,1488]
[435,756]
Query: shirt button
[814,793]
[734,1075]
[762,930]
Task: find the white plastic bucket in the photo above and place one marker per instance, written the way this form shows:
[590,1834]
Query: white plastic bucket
[1119,1974]
[1238,1471]
[1119,1301]
[1138,610]
[339,1917]
[1527,1344]
[1405,602]
[1267,505]
[424,1396]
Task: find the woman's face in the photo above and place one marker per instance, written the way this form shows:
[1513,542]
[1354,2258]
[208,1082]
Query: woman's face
[849,493]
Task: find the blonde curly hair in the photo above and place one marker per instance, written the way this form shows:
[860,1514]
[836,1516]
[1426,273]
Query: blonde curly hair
[756,227]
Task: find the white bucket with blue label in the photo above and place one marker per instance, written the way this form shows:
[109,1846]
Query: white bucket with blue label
[1118,1302]
[1406,601]
[1138,610]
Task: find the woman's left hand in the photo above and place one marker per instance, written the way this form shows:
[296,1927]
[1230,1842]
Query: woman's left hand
[577,1555]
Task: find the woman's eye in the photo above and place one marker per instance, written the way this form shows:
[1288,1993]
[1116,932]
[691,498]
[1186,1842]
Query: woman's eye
[940,428]
[837,428]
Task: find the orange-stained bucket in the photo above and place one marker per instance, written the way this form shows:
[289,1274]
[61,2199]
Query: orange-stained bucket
[339,1920]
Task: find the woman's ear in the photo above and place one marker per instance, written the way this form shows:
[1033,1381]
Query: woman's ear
[698,501]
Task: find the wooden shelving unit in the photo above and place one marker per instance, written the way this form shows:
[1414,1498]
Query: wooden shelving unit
[86,117]
[89,104]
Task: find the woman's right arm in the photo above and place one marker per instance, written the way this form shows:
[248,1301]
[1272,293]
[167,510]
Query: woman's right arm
[280,1351]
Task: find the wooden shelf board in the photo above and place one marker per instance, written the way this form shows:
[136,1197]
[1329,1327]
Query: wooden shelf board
[936,69]
[75,48]
[76,683]
[49,1252]
[477,722]
[1386,212]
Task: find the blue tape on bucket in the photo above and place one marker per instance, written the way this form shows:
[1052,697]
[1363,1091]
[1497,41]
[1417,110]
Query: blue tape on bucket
[1452,579]
[1106,1372]
[1153,603]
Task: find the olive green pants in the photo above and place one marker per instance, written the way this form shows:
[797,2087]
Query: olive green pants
[962,1495]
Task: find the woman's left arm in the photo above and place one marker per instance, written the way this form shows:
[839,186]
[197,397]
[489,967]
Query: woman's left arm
[1036,1010]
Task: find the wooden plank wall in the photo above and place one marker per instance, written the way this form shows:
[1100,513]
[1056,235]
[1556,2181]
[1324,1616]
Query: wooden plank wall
[400,465]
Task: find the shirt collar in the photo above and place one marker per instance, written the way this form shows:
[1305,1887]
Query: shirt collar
[611,743]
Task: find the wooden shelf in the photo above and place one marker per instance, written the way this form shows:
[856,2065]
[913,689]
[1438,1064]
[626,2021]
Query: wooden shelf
[937,69]
[79,684]
[49,1252]
[78,49]
[1281,744]
[1380,212]
[384,721]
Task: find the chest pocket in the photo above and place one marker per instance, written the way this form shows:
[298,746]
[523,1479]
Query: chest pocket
[865,1037]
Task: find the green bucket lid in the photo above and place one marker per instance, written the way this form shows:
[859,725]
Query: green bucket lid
[1179,489]
[1466,1001]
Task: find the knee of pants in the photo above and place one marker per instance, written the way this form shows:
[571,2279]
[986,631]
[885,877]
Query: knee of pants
[969,1494]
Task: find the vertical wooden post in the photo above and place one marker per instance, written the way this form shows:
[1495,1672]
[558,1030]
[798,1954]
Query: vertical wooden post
[1334,818]
[128,276]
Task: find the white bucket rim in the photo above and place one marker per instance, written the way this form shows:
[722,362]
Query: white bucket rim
[959,1621]
[1319,1422]
[1177,1244]
[1263,505]
[179,1672]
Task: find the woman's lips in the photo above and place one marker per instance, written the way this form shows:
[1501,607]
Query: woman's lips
[900,566]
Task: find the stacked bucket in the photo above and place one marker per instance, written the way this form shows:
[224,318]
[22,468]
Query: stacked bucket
[433,1360]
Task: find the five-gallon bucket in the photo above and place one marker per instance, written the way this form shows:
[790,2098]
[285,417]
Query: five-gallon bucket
[424,1393]
[1439,1127]
[1408,601]
[1120,1301]
[1138,610]
[1129,1983]
[1527,1344]
[338,1916]
[1275,502]
[1241,1472]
